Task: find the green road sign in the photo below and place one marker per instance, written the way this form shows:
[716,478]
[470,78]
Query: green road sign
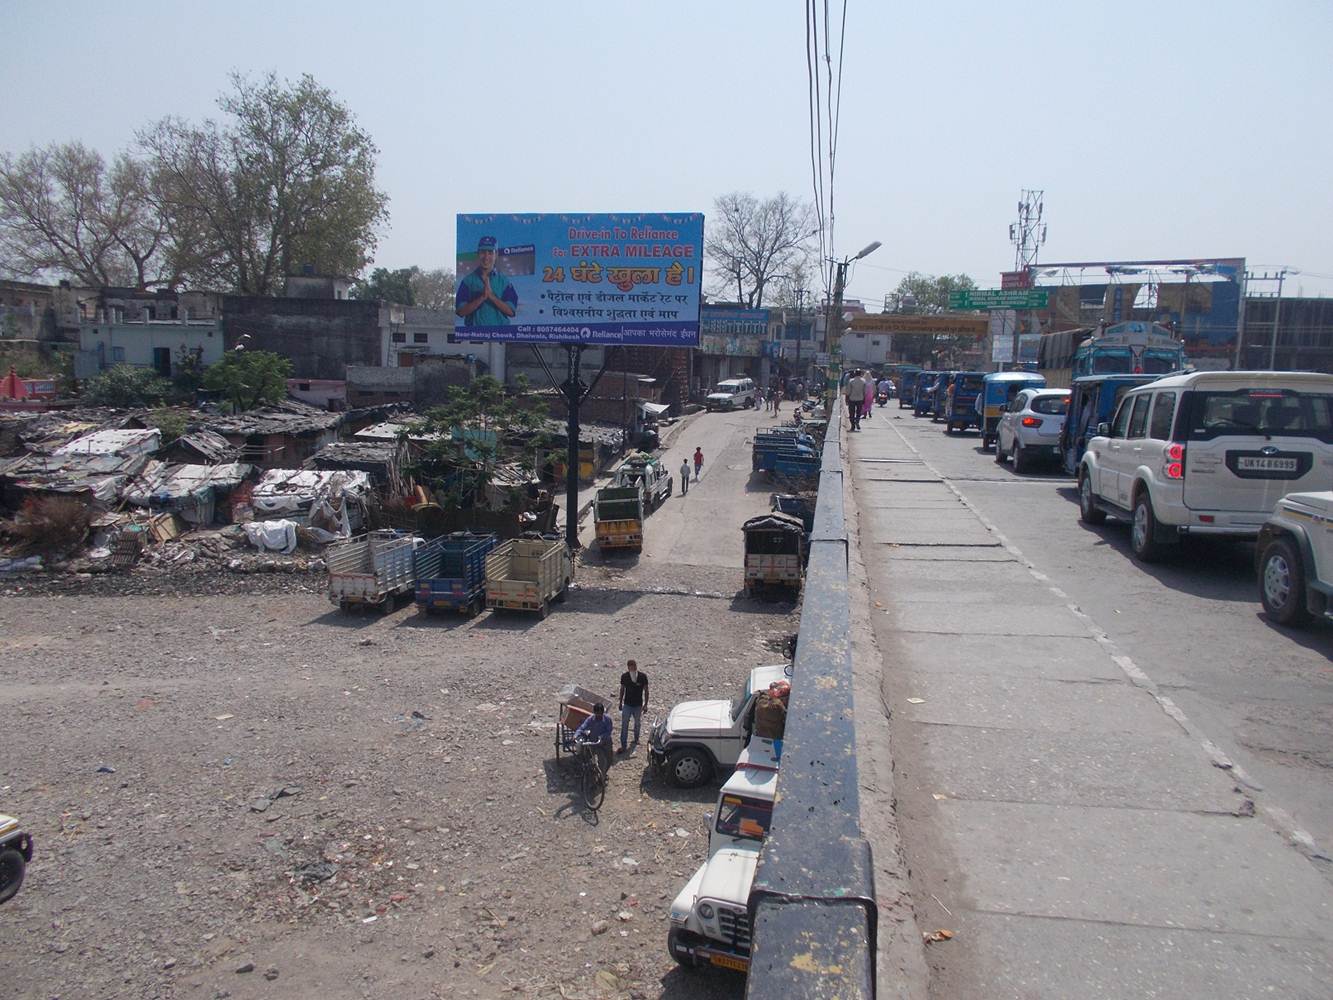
[1000,298]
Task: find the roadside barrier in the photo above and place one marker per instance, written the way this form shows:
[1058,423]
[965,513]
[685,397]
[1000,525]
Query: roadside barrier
[812,905]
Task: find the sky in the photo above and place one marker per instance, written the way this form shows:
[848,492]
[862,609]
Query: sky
[1156,130]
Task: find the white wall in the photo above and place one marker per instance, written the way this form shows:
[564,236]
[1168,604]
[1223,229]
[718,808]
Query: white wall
[134,343]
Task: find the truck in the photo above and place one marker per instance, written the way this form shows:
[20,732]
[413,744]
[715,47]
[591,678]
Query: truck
[698,739]
[617,514]
[451,572]
[647,473]
[371,570]
[784,454]
[528,573]
[710,920]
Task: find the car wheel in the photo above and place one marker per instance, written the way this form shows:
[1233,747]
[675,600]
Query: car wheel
[11,873]
[948,428]
[688,768]
[1143,531]
[1020,457]
[684,961]
[1088,511]
[1282,584]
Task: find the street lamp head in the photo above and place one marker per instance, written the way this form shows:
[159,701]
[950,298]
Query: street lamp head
[868,250]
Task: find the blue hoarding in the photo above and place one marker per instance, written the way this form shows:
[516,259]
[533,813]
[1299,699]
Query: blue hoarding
[591,279]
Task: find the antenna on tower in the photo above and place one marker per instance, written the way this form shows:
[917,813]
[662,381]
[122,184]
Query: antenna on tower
[1029,232]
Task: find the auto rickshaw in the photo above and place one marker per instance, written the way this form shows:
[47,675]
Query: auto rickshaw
[775,553]
[940,402]
[924,397]
[1092,400]
[997,392]
[961,403]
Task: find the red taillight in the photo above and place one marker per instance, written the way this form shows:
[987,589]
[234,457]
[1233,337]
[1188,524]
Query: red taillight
[1175,461]
[1032,421]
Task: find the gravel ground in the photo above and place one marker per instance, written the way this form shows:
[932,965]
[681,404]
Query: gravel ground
[236,791]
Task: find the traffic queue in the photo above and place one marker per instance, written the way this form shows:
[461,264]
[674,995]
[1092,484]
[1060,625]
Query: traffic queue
[1174,454]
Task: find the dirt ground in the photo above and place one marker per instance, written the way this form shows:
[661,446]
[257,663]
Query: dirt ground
[246,794]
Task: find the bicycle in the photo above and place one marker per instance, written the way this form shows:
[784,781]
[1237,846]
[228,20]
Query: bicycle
[592,779]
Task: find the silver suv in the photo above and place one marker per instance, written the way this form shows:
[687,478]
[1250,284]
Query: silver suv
[1207,453]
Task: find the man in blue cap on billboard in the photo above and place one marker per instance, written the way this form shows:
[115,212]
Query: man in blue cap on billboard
[485,297]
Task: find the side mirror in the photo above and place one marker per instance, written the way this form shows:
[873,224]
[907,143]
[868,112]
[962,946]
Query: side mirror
[708,822]
[1103,429]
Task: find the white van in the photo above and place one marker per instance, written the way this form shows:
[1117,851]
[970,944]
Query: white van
[1208,453]
[731,394]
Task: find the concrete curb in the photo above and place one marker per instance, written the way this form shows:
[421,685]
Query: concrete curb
[901,967]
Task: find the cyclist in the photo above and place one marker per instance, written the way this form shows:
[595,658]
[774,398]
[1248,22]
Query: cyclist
[596,731]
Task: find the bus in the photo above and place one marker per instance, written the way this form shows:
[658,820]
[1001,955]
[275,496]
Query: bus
[1130,348]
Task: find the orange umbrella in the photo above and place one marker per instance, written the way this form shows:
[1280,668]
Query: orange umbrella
[12,387]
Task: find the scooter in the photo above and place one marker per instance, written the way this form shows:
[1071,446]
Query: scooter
[15,853]
[881,398]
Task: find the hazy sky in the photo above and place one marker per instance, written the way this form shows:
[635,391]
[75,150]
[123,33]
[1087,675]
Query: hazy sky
[1165,129]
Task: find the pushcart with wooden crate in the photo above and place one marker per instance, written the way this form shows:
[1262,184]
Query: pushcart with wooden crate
[575,706]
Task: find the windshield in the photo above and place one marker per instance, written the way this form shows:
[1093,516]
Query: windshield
[972,383]
[1160,362]
[1272,412]
[1050,404]
[748,819]
[728,387]
[1109,361]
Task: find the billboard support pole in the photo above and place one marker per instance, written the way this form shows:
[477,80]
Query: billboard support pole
[573,391]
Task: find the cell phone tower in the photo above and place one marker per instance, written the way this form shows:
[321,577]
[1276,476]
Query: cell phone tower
[1029,232]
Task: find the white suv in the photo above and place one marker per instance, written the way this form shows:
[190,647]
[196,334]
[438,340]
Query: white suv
[733,394]
[1208,453]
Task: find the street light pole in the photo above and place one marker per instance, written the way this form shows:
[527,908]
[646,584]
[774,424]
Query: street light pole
[1277,316]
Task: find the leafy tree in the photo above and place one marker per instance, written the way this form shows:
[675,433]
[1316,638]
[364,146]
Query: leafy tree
[24,360]
[481,427]
[126,386]
[384,285]
[433,289]
[172,423]
[287,180]
[750,242]
[64,212]
[250,378]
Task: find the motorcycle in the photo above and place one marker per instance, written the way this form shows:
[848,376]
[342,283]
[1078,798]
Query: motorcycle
[881,398]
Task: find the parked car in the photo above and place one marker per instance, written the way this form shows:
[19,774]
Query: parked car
[1294,559]
[1029,429]
[731,394]
[1208,453]
[15,853]
[997,392]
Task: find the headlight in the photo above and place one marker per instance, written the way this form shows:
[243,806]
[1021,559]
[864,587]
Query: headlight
[705,911]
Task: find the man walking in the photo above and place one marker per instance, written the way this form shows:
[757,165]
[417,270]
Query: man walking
[856,393]
[698,462]
[633,700]
[684,476]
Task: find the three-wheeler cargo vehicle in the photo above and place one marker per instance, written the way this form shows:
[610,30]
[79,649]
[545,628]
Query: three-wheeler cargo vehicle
[371,570]
[451,572]
[528,573]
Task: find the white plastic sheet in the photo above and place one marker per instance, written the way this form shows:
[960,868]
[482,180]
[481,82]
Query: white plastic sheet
[273,536]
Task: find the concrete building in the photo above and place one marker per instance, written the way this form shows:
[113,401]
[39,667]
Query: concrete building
[321,336]
[412,333]
[159,330]
[1304,334]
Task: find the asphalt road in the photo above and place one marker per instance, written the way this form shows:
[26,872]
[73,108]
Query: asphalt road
[1192,623]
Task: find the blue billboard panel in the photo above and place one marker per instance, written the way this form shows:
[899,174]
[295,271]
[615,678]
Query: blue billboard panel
[590,279]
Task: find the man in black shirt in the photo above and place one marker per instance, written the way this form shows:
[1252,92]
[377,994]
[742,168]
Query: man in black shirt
[633,700]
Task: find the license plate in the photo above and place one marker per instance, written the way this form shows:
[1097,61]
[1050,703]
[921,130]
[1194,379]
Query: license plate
[728,962]
[1260,463]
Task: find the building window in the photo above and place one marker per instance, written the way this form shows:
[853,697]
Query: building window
[399,338]
[421,338]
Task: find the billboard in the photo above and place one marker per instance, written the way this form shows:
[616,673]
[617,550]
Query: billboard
[733,332]
[590,279]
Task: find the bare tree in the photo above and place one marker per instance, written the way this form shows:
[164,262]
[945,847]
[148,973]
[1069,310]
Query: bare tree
[750,242]
[64,213]
[434,289]
[288,180]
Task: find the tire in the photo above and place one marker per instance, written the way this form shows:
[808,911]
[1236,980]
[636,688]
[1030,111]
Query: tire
[1143,530]
[11,873]
[1282,584]
[683,961]
[564,592]
[948,429]
[1021,460]
[999,452]
[688,768]
[1088,511]
[593,786]
[671,484]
